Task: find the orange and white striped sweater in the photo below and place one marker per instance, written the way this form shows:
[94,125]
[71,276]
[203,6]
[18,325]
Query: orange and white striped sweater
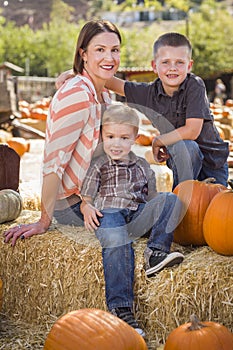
[72,133]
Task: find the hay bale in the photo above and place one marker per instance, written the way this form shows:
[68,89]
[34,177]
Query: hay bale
[47,276]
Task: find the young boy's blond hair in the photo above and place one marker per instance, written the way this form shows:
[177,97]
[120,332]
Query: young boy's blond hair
[121,114]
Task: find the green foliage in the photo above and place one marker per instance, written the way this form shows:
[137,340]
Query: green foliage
[211,35]
[183,5]
[60,10]
[50,50]
[137,45]
[2,23]
[17,44]
[57,44]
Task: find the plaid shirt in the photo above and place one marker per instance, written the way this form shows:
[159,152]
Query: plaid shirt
[119,184]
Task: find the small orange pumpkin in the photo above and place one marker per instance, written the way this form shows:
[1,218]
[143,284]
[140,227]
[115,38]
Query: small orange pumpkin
[89,329]
[39,113]
[196,197]
[19,144]
[200,335]
[229,103]
[218,223]
[144,140]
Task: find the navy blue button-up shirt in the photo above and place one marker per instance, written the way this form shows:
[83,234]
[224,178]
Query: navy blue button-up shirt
[170,112]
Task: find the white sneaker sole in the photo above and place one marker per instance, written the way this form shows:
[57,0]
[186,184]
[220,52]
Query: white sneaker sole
[140,332]
[171,260]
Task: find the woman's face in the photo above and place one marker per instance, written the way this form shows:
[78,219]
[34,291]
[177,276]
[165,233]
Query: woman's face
[102,57]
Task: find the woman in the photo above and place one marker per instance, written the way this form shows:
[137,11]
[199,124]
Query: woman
[73,126]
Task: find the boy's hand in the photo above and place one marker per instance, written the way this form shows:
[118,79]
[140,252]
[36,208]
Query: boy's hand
[63,77]
[90,214]
[160,153]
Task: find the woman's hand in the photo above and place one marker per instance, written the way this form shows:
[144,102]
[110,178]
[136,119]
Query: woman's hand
[23,231]
[63,77]
[90,214]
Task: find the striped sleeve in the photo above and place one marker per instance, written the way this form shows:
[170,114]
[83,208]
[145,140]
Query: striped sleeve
[72,134]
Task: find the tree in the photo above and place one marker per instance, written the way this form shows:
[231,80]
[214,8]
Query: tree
[50,50]
[211,35]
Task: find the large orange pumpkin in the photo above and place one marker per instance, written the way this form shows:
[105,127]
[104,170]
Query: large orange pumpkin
[93,329]
[197,335]
[218,223]
[196,197]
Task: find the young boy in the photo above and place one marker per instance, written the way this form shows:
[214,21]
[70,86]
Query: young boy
[120,202]
[177,104]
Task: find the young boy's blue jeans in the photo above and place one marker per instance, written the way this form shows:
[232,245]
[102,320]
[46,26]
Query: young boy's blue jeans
[186,163]
[118,229]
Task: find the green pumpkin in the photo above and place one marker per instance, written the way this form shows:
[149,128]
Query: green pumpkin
[11,205]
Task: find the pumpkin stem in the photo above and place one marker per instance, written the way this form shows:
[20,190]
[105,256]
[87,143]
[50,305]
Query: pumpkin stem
[195,323]
[209,180]
[230,182]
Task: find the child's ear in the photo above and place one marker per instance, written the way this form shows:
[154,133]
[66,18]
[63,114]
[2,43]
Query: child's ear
[153,65]
[190,66]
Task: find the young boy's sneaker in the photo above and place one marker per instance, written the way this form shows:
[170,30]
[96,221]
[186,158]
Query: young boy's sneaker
[125,314]
[156,260]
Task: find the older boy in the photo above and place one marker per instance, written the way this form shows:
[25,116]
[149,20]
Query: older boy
[121,204]
[177,104]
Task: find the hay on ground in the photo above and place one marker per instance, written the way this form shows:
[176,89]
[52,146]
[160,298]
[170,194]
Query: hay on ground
[47,276]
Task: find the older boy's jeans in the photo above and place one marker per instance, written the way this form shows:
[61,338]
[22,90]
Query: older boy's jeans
[186,163]
[119,227]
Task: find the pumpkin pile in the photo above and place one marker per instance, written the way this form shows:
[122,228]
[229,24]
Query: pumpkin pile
[89,329]
[202,336]
[223,118]
[37,110]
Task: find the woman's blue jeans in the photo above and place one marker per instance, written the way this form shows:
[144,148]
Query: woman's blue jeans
[186,163]
[119,228]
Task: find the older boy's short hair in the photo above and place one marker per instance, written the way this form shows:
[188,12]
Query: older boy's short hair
[121,114]
[172,39]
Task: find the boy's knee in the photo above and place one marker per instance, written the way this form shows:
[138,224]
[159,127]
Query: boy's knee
[186,149]
[184,146]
